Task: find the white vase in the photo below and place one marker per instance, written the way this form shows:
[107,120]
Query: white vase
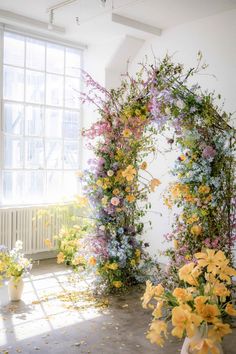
[186,345]
[15,288]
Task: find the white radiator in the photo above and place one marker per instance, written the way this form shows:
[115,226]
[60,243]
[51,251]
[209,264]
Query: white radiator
[30,226]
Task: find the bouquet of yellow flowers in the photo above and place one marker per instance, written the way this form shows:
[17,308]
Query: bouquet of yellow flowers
[198,308]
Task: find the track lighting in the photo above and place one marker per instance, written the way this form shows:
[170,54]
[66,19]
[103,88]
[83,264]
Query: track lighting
[51,20]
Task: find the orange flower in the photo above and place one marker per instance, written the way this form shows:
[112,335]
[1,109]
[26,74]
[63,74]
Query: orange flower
[116,191]
[184,320]
[155,333]
[182,295]
[117,284]
[130,198]
[204,189]
[157,313]
[204,346]
[60,257]
[189,273]
[154,183]
[143,165]
[92,261]
[211,259]
[219,330]
[230,310]
[209,312]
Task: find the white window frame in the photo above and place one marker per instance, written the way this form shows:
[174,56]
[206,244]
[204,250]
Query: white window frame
[51,40]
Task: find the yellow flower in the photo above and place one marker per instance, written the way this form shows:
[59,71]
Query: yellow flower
[182,295]
[104,200]
[155,333]
[176,245]
[182,157]
[82,201]
[211,259]
[230,310]
[143,165]
[129,173]
[99,183]
[196,230]
[226,272]
[157,313]
[154,183]
[60,257]
[204,346]
[133,263]
[184,320]
[193,219]
[130,198]
[79,260]
[204,189]
[116,191]
[126,133]
[148,295]
[159,290]
[189,273]
[117,284]
[48,243]
[218,331]
[209,312]
[137,253]
[113,266]
[92,261]
[221,290]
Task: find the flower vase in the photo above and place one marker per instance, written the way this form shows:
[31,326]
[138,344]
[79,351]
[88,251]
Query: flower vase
[196,338]
[15,288]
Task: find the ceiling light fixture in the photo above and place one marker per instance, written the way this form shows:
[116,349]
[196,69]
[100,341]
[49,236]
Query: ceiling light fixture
[51,20]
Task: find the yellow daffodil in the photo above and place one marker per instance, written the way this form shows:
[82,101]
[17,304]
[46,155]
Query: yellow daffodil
[155,332]
[129,173]
[154,183]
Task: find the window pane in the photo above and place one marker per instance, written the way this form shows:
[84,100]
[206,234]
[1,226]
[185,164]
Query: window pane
[55,58]
[71,155]
[34,153]
[14,49]
[73,62]
[54,186]
[53,154]
[13,118]
[13,83]
[33,121]
[34,87]
[13,187]
[34,186]
[54,90]
[53,123]
[13,152]
[71,124]
[35,54]
[72,90]
[70,185]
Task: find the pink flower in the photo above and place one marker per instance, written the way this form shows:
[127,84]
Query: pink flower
[115,201]
[209,152]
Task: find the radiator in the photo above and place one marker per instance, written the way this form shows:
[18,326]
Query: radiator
[30,226]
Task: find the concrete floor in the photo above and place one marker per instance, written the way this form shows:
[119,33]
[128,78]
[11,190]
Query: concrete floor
[43,323]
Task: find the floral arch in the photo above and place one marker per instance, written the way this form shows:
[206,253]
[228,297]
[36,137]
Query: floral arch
[117,182]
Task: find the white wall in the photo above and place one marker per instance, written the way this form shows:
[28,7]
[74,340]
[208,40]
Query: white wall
[215,36]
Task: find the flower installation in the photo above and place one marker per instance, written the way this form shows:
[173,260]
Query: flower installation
[199,308]
[13,263]
[157,101]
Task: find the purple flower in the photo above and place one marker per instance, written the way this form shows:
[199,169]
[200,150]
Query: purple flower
[209,152]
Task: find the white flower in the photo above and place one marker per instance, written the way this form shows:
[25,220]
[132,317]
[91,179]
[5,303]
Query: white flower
[110,173]
[180,104]
[167,111]
[19,245]
[102,228]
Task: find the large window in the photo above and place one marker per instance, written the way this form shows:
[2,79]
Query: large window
[40,120]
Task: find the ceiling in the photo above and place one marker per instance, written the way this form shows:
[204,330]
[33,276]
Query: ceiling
[95,21]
